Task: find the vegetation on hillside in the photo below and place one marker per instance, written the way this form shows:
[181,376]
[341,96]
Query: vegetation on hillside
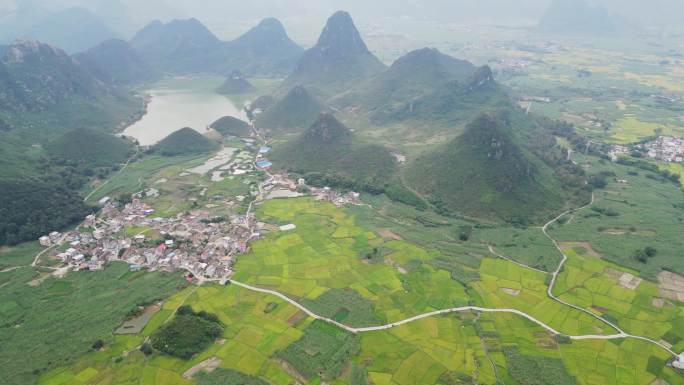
[229,125]
[328,153]
[293,113]
[94,148]
[32,208]
[185,141]
[235,84]
[487,172]
[415,75]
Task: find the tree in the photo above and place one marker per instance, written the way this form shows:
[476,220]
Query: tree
[146,349]
[97,345]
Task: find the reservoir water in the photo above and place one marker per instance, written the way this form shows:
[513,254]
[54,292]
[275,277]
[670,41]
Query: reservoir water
[182,102]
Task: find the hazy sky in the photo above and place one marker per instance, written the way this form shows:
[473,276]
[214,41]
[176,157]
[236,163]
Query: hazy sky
[228,17]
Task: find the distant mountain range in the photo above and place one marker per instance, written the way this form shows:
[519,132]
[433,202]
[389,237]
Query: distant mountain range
[114,61]
[44,80]
[183,46]
[73,29]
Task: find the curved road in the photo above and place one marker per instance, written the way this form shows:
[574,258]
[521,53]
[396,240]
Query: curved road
[620,335]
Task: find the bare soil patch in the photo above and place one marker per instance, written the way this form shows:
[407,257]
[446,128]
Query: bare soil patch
[629,281]
[137,324]
[619,231]
[671,286]
[513,292]
[658,303]
[387,233]
[208,365]
[297,318]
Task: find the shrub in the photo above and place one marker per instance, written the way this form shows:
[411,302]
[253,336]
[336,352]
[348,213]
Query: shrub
[98,344]
[188,334]
[146,348]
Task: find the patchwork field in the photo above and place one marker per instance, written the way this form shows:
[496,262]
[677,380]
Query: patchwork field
[267,338]
[636,305]
[328,251]
[648,212]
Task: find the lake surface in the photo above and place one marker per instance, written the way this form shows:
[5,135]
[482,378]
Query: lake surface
[182,102]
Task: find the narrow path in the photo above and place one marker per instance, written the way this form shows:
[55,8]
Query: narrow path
[137,151]
[554,275]
[418,317]
[493,251]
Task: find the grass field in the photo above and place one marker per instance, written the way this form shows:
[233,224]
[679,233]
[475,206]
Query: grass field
[594,284]
[20,255]
[653,209]
[54,321]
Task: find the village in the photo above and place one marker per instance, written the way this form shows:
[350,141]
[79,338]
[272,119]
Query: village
[663,148]
[204,245]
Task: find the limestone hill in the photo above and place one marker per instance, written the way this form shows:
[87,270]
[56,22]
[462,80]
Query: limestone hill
[185,141]
[339,58]
[295,112]
[487,172]
[328,151]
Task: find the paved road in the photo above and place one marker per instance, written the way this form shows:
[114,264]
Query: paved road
[619,335]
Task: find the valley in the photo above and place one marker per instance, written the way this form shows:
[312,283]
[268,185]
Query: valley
[185,209]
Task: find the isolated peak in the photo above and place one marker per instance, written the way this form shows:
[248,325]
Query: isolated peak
[341,37]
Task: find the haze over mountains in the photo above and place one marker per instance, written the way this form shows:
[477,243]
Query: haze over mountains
[188,46]
[23,18]
[424,94]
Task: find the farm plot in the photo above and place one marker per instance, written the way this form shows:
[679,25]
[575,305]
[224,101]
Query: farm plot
[617,294]
[251,337]
[505,285]
[328,251]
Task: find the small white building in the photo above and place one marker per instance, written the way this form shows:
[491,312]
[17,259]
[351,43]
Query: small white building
[45,241]
[289,227]
[679,363]
[104,201]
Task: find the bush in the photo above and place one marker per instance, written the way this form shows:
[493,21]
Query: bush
[188,334]
[146,348]
[98,344]
[403,195]
[563,339]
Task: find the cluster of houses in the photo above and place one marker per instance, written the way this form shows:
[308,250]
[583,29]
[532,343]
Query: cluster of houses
[192,241]
[336,197]
[665,148]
